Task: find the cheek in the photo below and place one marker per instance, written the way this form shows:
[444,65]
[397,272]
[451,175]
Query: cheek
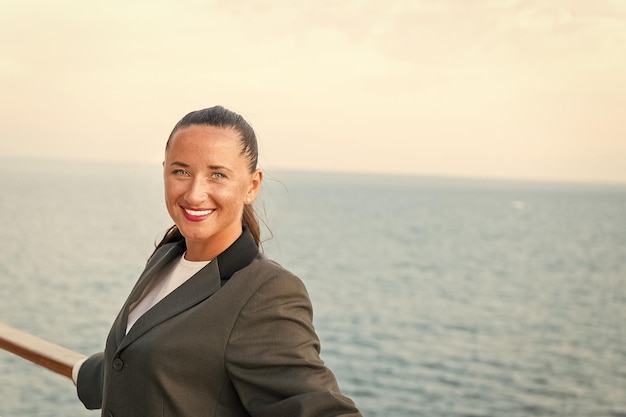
[230,197]
[227,197]
[172,190]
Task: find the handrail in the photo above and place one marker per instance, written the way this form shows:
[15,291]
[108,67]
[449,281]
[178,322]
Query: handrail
[39,351]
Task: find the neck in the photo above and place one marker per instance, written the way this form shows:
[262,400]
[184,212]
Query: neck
[207,250]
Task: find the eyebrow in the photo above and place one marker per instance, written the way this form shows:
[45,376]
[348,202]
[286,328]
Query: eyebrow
[213,167]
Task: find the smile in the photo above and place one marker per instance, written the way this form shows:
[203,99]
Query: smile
[198,213]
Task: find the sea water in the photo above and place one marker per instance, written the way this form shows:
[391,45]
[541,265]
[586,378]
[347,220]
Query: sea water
[432,296]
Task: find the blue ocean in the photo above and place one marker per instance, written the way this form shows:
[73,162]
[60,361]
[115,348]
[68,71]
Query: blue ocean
[432,296]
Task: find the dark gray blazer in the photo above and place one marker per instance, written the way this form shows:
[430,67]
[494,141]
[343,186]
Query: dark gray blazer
[236,339]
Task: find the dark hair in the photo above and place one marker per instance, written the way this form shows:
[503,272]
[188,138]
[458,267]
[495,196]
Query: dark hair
[219,116]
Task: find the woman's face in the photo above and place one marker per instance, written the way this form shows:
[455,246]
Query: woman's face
[207,182]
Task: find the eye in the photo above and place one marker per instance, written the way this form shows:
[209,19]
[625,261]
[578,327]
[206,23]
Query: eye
[217,176]
[180,172]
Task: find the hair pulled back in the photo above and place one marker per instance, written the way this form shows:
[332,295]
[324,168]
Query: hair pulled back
[219,116]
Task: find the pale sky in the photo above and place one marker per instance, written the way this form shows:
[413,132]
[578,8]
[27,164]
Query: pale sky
[530,89]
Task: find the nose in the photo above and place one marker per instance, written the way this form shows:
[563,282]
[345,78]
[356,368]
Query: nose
[197,192]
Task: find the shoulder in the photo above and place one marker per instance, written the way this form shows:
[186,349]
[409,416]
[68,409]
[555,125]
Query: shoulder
[263,272]
[274,305]
[265,283]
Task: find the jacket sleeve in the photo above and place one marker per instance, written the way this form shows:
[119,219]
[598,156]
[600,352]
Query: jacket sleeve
[89,384]
[273,359]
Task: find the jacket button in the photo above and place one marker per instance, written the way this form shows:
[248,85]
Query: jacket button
[118,364]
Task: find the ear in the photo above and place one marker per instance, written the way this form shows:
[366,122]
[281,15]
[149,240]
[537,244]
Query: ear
[255,185]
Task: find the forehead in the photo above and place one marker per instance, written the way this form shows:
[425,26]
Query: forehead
[203,140]
[200,132]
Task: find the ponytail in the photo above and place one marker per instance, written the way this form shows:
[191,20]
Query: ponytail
[251,222]
[171,235]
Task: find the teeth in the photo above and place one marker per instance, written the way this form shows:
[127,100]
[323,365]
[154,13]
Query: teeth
[198,212]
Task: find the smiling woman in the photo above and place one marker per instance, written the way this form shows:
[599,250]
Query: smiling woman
[207,185]
[212,326]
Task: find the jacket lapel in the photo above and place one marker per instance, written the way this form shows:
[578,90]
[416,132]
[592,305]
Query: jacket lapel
[195,290]
[153,268]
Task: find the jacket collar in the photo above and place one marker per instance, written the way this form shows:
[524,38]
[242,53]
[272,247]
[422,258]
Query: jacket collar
[237,256]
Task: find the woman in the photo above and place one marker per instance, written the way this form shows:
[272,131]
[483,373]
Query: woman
[212,327]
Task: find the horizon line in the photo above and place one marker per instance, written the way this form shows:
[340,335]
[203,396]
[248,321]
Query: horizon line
[326,171]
